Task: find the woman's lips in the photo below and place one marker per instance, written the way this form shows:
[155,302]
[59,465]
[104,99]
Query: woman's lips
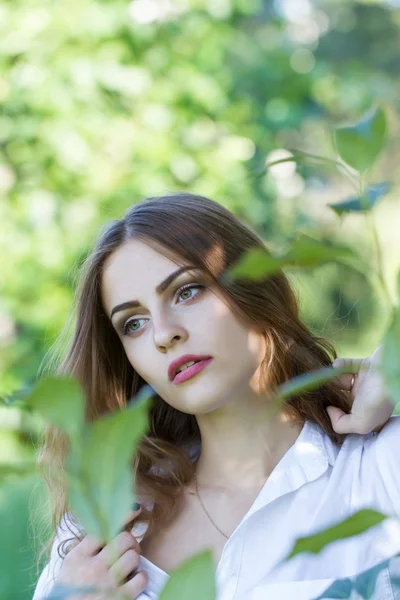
[191,371]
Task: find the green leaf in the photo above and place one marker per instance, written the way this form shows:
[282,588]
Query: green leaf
[254,265]
[356,204]
[390,364]
[194,579]
[99,468]
[357,523]
[341,588]
[308,382]
[365,582]
[360,144]
[309,252]
[258,263]
[60,401]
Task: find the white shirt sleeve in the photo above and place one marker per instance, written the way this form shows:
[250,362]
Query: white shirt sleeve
[382,467]
[388,461]
[51,571]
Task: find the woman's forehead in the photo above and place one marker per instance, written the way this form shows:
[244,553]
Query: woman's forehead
[132,268]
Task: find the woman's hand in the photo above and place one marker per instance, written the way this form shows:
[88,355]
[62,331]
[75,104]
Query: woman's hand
[91,563]
[371,407]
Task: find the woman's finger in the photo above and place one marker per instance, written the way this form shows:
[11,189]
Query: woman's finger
[341,422]
[343,382]
[90,546]
[131,516]
[354,365]
[126,565]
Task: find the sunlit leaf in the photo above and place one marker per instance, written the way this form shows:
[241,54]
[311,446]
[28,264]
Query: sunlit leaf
[254,265]
[60,401]
[258,263]
[194,579]
[360,144]
[390,365]
[354,525]
[357,204]
[99,468]
[308,382]
[341,588]
[309,252]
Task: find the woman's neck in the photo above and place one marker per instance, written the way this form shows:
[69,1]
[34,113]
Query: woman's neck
[241,453]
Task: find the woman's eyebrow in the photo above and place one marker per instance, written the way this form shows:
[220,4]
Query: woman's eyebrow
[160,289]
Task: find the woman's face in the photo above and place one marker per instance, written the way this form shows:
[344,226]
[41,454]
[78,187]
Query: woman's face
[176,321]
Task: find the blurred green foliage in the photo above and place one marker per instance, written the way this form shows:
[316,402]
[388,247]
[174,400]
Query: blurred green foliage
[105,102]
[19,496]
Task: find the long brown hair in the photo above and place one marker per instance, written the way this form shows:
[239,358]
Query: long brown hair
[194,229]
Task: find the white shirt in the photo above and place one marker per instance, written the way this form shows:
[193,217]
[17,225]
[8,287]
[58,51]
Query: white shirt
[315,485]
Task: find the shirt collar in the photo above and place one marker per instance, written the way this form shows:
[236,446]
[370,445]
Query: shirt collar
[312,445]
[305,461]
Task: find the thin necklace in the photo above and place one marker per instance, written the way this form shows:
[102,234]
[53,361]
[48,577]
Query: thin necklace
[204,508]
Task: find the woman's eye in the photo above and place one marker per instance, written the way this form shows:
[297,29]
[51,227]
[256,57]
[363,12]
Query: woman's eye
[180,291]
[125,327]
[188,288]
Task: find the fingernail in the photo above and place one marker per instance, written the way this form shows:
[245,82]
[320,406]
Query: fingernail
[136,506]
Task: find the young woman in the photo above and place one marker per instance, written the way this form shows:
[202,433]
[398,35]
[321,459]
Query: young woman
[215,470]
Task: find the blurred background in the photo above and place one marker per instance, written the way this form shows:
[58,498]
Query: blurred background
[103,103]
